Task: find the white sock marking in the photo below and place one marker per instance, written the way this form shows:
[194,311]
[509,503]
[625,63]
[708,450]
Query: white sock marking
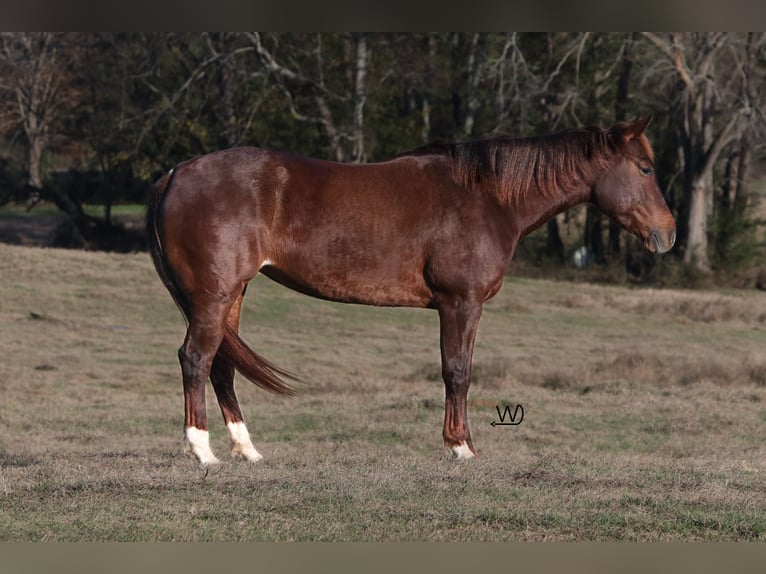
[242,446]
[198,443]
[462,451]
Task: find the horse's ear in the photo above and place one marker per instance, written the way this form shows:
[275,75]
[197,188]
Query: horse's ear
[627,131]
[639,125]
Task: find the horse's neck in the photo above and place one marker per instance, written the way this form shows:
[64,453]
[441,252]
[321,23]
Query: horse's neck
[566,182]
[536,208]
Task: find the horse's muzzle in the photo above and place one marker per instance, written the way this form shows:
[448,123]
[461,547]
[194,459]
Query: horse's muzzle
[660,241]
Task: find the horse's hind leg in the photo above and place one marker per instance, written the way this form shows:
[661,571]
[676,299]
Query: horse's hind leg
[203,337]
[222,376]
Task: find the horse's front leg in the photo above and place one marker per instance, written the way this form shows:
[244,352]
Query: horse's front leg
[459,320]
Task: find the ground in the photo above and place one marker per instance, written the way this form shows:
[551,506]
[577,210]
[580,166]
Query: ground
[644,414]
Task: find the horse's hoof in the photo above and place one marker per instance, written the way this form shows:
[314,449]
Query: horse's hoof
[248,455]
[209,461]
[462,451]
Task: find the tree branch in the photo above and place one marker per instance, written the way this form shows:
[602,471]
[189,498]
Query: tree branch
[718,41]
[674,53]
[731,132]
[275,67]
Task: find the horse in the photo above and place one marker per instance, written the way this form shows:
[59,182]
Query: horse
[434,228]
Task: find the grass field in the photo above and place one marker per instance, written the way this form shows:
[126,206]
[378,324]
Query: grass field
[645,415]
[47,209]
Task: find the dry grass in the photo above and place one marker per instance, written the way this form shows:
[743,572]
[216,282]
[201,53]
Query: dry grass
[644,415]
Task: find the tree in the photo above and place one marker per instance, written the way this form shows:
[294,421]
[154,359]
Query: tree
[322,77]
[731,222]
[116,108]
[713,110]
[33,69]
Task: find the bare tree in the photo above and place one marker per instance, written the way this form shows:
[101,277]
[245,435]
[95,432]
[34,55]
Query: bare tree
[708,85]
[32,71]
[558,88]
[514,85]
[749,68]
[307,79]
[219,45]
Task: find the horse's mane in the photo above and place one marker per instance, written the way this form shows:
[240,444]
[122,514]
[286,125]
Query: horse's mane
[509,166]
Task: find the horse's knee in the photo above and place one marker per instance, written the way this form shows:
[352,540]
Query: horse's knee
[457,381]
[456,371]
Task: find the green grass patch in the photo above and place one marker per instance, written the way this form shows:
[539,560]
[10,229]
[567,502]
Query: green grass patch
[47,209]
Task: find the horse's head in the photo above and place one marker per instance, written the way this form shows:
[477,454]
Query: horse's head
[628,191]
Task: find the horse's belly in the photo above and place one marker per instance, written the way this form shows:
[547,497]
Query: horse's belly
[375,285]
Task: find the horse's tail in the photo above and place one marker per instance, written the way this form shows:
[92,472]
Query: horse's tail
[233,349]
[252,366]
[153,202]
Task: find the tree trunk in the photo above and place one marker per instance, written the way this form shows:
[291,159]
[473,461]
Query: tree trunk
[360,95]
[501,89]
[554,246]
[739,185]
[613,243]
[36,145]
[457,80]
[697,242]
[706,147]
[593,235]
[474,75]
[232,131]
[620,113]
[326,119]
[425,133]
[34,155]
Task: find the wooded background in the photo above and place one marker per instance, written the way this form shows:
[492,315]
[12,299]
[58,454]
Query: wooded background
[91,118]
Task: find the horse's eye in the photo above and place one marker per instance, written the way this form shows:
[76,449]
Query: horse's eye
[645,170]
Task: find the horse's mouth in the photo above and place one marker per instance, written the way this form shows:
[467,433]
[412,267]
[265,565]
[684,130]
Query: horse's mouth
[659,242]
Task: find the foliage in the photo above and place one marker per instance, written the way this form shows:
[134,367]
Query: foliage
[127,106]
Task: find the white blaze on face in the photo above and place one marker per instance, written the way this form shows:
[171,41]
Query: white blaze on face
[462,451]
[198,443]
[242,446]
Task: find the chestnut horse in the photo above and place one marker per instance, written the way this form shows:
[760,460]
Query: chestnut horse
[435,227]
